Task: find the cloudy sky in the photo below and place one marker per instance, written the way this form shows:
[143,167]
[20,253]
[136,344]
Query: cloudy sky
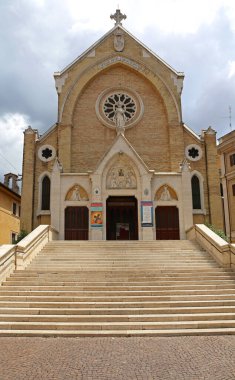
[39,37]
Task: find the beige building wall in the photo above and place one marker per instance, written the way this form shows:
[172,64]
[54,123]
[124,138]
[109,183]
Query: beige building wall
[9,222]
[226,149]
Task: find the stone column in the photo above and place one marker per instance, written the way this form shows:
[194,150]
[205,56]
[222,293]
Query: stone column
[215,204]
[28,179]
[225,195]
[187,202]
[56,196]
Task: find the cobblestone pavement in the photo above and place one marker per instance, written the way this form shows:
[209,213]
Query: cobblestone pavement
[190,358]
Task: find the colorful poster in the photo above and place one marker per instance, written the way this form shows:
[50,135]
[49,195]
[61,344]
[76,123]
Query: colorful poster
[96,215]
[147,214]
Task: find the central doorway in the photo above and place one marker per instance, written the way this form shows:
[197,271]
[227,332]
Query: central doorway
[121,218]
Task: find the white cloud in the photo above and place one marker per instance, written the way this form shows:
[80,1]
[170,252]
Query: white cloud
[231,69]
[11,142]
[170,16]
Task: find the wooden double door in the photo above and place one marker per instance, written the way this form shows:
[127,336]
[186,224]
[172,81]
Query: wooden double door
[167,223]
[121,218]
[76,223]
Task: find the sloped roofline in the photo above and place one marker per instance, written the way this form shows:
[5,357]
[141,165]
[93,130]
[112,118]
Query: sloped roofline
[188,129]
[45,134]
[92,47]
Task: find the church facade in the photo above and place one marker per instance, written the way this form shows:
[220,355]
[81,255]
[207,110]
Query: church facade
[120,163]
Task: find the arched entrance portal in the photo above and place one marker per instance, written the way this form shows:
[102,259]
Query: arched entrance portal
[121,218]
[76,223]
[167,223]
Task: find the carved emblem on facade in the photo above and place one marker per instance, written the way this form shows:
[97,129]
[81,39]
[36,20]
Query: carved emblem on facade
[121,176]
[119,41]
[77,193]
[166,193]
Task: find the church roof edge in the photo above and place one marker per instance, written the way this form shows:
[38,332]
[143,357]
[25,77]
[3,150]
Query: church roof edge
[93,46]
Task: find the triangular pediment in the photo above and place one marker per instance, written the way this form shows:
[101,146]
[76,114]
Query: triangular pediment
[121,146]
[144,50]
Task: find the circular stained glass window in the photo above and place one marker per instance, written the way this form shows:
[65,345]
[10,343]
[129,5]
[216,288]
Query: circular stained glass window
[125,101]
[119,101]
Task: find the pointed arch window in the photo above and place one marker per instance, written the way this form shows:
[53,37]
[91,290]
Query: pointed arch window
[196,193]
[46,190]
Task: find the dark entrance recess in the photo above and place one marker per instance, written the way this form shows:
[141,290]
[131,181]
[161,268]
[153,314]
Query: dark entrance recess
[121,218]
[167,223]
[76,223]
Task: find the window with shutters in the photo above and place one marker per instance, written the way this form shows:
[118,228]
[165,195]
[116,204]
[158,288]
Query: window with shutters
[232,159]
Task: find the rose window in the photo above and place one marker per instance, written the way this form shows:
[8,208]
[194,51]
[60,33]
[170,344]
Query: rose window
[125,101]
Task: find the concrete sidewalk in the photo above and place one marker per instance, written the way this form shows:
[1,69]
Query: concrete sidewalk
[178,358]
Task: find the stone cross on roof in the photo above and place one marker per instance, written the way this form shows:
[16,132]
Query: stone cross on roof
[118,17]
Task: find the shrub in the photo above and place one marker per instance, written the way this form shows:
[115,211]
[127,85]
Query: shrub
[217,231]
[21,235]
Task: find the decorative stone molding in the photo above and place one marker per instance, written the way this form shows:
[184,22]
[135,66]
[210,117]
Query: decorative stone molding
[185,166]
[77,193]
[60,81]
[193,152]
[46,153]
[145,54]
[113,99]
[121,176]
[91,54]
[178,82]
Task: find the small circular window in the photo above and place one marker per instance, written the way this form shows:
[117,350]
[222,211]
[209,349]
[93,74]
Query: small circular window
[127,100]
[193,152]
[46,153]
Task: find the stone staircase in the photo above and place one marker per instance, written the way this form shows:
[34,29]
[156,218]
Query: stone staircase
[111,288]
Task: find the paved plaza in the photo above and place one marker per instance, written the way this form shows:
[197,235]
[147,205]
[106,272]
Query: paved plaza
[164,358]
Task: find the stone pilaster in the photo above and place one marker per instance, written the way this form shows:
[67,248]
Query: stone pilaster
[64,146]
[56,195]
[215,203]
[28,179]
[187,195]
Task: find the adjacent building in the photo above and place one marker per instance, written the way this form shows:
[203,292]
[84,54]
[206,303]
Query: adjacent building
[10,201]
[226,149]
[120,163]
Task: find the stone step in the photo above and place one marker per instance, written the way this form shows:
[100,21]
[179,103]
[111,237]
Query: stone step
[117,304]
[118,333]
[142,273]
[230,323]
[116,311]
[118,298]
[163,318]
[144,260]
[118,293]
[38,284]
[119,288]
